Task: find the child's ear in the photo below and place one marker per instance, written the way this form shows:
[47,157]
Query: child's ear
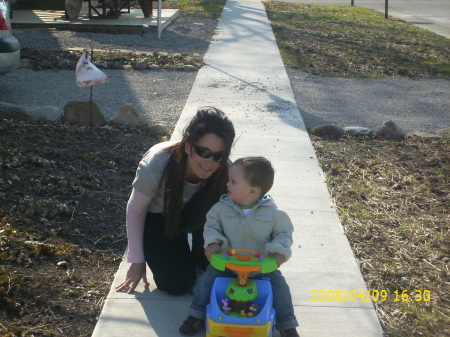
[255,190]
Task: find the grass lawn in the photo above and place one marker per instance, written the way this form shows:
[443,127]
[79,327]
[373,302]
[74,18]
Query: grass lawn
[205,9]
[348,41]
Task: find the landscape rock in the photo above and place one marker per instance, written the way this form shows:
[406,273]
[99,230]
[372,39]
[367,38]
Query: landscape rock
[49,113]
[193,61]
[45,64]
[444,132]
[63,264]
[63,64]
[12,111]
[161,54]
[48,59]
[117,65]
[357,131]
[327,130]
[188,60]
[390,130]
[127,67]
[422,135]
[26,63]
[189,67]
[128,115]
[78,112]
[159,130]
[101,65]
[141,65]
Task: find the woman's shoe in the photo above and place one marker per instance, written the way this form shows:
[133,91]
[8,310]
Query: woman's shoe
[191,325]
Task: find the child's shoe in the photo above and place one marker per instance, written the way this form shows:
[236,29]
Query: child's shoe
[290,333]
[191,325]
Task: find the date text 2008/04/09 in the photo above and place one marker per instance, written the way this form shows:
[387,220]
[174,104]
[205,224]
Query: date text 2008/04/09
[365,295]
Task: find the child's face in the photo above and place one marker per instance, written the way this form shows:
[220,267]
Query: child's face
[239,190]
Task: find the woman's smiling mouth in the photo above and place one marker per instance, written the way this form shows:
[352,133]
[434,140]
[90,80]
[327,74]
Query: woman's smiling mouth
[206,169]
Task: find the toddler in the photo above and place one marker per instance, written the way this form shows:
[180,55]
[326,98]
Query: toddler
[247,218]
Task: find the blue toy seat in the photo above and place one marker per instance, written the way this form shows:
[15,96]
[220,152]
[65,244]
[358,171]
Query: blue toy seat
[264,301]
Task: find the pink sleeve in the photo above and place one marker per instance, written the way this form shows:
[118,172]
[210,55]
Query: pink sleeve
[136,213]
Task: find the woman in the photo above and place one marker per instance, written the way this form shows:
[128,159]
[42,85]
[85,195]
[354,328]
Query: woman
[176,184]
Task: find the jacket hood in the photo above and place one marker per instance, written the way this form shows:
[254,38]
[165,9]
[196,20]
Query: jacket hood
[266,200]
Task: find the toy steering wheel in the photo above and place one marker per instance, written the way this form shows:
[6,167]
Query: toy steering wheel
[241,257]
[258,262]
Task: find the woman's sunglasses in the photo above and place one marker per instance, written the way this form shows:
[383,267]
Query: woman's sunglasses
[206,153]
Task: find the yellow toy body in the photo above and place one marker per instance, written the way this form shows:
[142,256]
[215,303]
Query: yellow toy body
[217,329]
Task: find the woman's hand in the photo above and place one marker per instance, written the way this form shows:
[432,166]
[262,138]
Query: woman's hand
[135,273]
[211,249]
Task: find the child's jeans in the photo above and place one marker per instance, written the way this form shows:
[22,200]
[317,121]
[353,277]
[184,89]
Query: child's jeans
[282,301]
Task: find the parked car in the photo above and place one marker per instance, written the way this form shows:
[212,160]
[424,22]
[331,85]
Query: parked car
[9,46]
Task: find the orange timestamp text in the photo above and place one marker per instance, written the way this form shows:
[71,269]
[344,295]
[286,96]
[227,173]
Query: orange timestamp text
[366,295]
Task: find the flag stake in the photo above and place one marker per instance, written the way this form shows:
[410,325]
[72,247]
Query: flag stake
[87,74]
[90,100]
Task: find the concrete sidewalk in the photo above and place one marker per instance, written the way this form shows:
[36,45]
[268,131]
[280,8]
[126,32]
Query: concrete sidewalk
[246,78]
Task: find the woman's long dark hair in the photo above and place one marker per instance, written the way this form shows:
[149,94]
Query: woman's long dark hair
[207,120]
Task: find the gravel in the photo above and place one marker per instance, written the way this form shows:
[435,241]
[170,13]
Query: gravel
[160,95]
[415,105]
[184,35]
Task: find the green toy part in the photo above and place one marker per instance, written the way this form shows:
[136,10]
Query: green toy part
[268,264]
[242,294]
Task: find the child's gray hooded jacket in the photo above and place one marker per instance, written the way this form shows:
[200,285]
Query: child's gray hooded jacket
[265,230]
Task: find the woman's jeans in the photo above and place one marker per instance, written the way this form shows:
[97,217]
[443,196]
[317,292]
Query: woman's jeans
[282,301]
[172,261]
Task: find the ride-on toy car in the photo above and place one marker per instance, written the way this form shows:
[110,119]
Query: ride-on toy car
[241,307]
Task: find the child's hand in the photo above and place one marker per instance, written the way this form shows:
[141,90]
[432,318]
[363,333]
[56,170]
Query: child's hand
[211,249]
[280,258]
